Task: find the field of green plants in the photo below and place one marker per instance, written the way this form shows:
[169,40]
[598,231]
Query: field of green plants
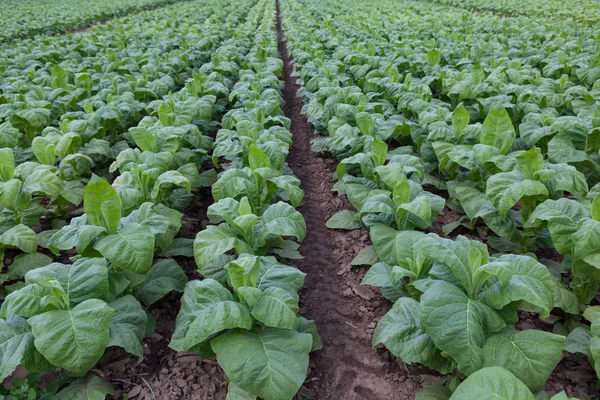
[299,199]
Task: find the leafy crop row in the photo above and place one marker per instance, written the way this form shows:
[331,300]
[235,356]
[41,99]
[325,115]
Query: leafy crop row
[67,315]
[23,19]
[245,310]
[501,118]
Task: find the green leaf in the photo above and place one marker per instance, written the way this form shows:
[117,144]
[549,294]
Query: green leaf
[562,217]
[309,326]
[401,332]
[236,393]
[73,339]
[497,130]
[281,219]
[128,325]
[215,241]
[274,274]
[384,243]
[276,307]
[83,280]
[102,204]
[16,347]
[43,180]
[530,162]
[43,150]
[379,275]
[7,164]
[523,279]
[164,276]
[493,383]
[344,219]
[530,354]
[9,136]
[24,263]
[21,237]
[460,118]
[207,308]
[366,256]
[29,301]
[457,324]
[256,158]
[90,387]
[505,189]
[132,249]
[271,364]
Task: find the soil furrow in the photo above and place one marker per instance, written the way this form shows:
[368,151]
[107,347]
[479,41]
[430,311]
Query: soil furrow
[345,312]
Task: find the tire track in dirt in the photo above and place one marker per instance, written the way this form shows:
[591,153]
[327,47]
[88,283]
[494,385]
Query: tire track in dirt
[345,312]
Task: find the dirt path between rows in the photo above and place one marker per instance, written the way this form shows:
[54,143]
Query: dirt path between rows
[345,312]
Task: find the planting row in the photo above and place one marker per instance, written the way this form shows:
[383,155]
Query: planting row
[22,19]
[572,11]
[484,130]
[118,244]
[75,114]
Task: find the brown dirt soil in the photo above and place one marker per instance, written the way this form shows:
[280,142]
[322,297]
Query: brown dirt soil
[345,311]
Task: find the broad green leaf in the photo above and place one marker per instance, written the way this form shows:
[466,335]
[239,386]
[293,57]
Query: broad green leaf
[102,204]
[131,249]
[276,307]
[243,271]
[462,256]
[128,325]
[271,364]
[207,308]
[344,219]
[9,136]
[587,241]
[366,256]
[525,279]
[7,164]
[236,393]
[164,276]
[274,274]
[493,383]
[562,217]
[215,241]
[379,275]
[28,301]
[530,354]
[43,180]
[497,130]
[90,387]
[460,118]
[256,158]
[505,189]
[401,332]
[43,150]
[383,238]
[73,339]
[21,237]
[16,347]
[457,324]
[530,162]
[24,263]
[281,219]
[85,279]
[308,326]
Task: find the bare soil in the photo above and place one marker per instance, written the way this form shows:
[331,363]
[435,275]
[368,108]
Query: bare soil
[345,311]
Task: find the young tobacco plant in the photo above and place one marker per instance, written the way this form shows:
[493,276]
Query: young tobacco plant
[243,231]
[248,318]
[455,306]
